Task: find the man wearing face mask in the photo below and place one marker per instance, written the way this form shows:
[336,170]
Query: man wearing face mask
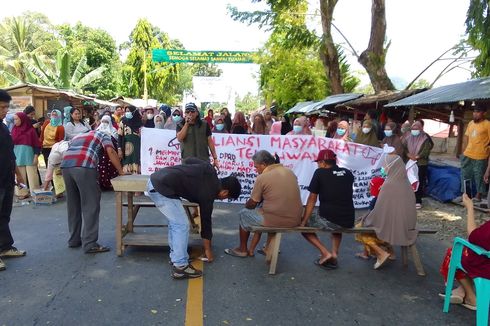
[417,147]
[194,136]
[476,151]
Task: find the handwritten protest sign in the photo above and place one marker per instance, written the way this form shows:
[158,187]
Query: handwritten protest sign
[160,148]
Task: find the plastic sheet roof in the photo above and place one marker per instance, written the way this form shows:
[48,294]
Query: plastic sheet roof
[471,90]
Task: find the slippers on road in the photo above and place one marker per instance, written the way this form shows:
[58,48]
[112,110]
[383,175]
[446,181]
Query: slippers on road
[236,253]
[97,249]
[468,306]
[380,263]
[455,299]
[328,264]
[205,259]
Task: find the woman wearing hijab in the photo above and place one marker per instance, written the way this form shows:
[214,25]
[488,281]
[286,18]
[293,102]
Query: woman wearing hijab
[394,216]
[159,121]
[9,120]
[259,127]
[76,125]
[276,128]
[239,125]
[149,116]
[107,171]
[286,125]
[219,125]
[300,127]
[173,120]
[331,129]
[52,132]
[392,139]
[129,140]
[27,149]
[342,131]
[227,119]
[367,136]
[418,145]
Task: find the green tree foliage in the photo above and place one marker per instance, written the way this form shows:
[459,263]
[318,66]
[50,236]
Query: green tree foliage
[165,81]
[99,50]
[20,39]
[247,103]
[58,74]
[478,30]
[206,70]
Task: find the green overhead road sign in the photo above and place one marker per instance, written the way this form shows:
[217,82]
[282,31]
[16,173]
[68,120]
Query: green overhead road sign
[164,55]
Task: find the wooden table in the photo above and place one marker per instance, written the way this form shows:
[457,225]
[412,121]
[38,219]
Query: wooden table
[127,186]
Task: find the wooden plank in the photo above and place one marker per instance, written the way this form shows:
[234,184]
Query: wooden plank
[416,260]
[119,223]
[310,229]
[152,239]
[274,247]
[133,182]
[129,225]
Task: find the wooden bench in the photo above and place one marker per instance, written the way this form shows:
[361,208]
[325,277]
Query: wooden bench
[276,233]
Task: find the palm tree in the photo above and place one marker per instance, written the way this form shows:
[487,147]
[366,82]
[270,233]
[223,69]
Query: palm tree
[21,38]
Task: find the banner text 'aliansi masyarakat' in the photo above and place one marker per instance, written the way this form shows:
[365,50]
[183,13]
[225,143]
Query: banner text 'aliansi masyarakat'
[176,56]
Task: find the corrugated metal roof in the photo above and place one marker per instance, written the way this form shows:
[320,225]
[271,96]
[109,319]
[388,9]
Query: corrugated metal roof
[306,107]
[471,90]
[382,97]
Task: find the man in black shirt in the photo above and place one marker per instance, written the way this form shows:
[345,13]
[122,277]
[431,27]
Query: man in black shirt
[8,170]
[334,186]
[196,181]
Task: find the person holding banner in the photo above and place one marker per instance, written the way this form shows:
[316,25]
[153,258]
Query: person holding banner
[196,181]
[333,185]
[195,136]
[276,190]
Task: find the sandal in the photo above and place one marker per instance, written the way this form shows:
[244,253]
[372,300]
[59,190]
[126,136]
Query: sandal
[328,264]
[97,249]
[363,256]
[236,253]
[205,259]
[469,306]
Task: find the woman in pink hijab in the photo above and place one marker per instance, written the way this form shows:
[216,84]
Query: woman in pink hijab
[342,131]
[300,127]
[276,128]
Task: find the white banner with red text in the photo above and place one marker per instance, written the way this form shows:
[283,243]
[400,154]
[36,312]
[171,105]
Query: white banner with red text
[160,148]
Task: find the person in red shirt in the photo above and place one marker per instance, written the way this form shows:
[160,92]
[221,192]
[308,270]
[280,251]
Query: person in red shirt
[474,265]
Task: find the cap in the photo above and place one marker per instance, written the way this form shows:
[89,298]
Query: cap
[326,155]
[191,106]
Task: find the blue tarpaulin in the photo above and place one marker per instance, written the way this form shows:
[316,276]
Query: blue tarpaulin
[444,182]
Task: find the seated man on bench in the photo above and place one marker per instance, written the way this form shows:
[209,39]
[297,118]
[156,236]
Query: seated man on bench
[334,186]
[277,189]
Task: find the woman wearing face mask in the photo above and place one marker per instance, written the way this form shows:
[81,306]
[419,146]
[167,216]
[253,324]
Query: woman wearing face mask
[219,125]
[342,131]
[52,132]
[76,125]
[159,121]
[105,169]
[174,119]
[300,127]
[417,147]
[129,141]
[394,216]
[367,136]
[149,115]
[392,139]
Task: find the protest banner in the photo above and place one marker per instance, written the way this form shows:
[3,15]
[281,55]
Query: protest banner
[160,148]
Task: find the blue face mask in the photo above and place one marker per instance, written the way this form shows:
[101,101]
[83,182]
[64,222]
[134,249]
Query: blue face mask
[340,131]
[388,133]
[415,132]
[176,118]
[128,115]
[383,172]
[297,129]
[220,126]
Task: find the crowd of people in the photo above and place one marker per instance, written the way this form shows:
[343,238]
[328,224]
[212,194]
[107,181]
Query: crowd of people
[89,151]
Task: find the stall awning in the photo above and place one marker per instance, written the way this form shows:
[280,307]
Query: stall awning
[332,100]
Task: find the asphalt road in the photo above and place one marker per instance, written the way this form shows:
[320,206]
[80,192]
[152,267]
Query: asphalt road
[56,285]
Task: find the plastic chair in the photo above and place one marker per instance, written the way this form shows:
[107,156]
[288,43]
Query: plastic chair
[482,285]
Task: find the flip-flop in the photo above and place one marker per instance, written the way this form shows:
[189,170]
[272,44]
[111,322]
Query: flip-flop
[328,264]
[455,299]
[97,249]
[234,253]
[205,259]
[468,306]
